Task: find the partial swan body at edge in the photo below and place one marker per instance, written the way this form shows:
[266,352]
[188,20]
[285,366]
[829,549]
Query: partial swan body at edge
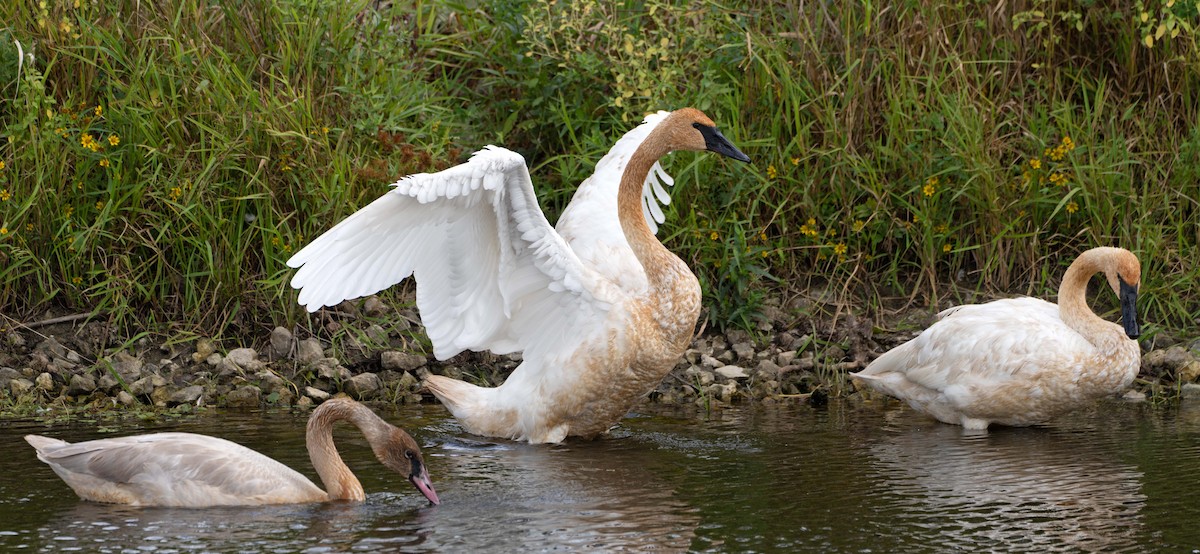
[198,471]
[1020,361]
[599,308]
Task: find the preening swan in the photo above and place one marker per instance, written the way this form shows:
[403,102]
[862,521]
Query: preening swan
[198,471]
[1020,361]
[600,309]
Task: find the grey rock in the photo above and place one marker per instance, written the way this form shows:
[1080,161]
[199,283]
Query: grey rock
[374,307]
[45,382]
[214,359]
[270,382]
[245,358]
[281,341]
[710,362]
[186,395]
[333,371]
[785,357]
[127,366]
[126,399]
[727,357]
[731,372]
[744,351]
[204,349]
[81,384]
[14,339]
[700,376]
[146,385]
[21,386]
[309,351]
[245,396]
[767,370]
[304,402]
[408,383]
[1134,396]
[7,375]
[364,386]
[401,361]
[377,333]
[315,393]
[52,348]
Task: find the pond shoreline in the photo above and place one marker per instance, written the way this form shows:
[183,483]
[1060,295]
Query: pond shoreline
[66,365]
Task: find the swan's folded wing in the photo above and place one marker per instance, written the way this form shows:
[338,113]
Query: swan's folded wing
[174,469]
[478,245]
[589,224]
[989,343]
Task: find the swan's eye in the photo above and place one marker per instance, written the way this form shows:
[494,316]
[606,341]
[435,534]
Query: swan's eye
[408,454]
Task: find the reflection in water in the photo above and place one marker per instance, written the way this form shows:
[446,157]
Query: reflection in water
[785,477]
[1030,489]
[597,495]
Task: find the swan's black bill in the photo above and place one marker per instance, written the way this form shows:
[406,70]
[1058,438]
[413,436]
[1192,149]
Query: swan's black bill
[714,141]
[1128,296]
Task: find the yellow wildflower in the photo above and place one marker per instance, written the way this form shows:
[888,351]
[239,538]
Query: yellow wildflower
[839,248]
[99,205]
[77,280]
[930,186]
[795,161]
[5,195]
[28,226]
[943,228]
[859,225]
[99,110]
[1035,163]
[324,130]
[713,236]
[1068,143]
[946,248]
[2,164]
[176,192]
[104,162]
[3,230]
[771,172]
[114,140]
[762,236]
[1072,207]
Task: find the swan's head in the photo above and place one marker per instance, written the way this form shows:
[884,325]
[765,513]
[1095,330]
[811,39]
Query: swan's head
[402,455]
[1124,275]
[690,129]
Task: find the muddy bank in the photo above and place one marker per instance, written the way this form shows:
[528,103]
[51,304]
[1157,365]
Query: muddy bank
[374,352]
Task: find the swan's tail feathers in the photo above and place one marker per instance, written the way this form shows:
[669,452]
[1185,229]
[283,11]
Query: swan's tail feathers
[460,397]
[41,444]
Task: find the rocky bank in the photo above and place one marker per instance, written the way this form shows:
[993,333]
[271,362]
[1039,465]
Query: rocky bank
[355,354]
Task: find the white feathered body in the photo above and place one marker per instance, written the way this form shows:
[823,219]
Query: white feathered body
[1012,362]
[173,469]
[493,275]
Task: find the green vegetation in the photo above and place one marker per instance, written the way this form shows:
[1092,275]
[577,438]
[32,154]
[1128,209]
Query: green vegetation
[163,159]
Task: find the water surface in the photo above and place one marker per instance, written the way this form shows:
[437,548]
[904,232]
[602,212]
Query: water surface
[761,477]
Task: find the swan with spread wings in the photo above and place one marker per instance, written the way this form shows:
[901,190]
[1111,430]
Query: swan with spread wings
[599,308]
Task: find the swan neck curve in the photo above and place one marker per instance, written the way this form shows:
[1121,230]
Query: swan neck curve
[658,262]
[340,483]
[1072,297]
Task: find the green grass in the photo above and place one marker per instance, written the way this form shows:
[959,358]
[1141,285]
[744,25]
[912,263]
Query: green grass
[244,130]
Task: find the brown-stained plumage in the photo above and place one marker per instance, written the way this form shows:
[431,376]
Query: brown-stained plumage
[599,309]
[1020,361]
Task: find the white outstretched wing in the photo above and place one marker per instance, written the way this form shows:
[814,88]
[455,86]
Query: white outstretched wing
[589,224]
[491,272]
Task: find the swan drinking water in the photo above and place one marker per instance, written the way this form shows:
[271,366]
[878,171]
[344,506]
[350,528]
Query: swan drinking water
[599,308]
[198,471]
[1020,361]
